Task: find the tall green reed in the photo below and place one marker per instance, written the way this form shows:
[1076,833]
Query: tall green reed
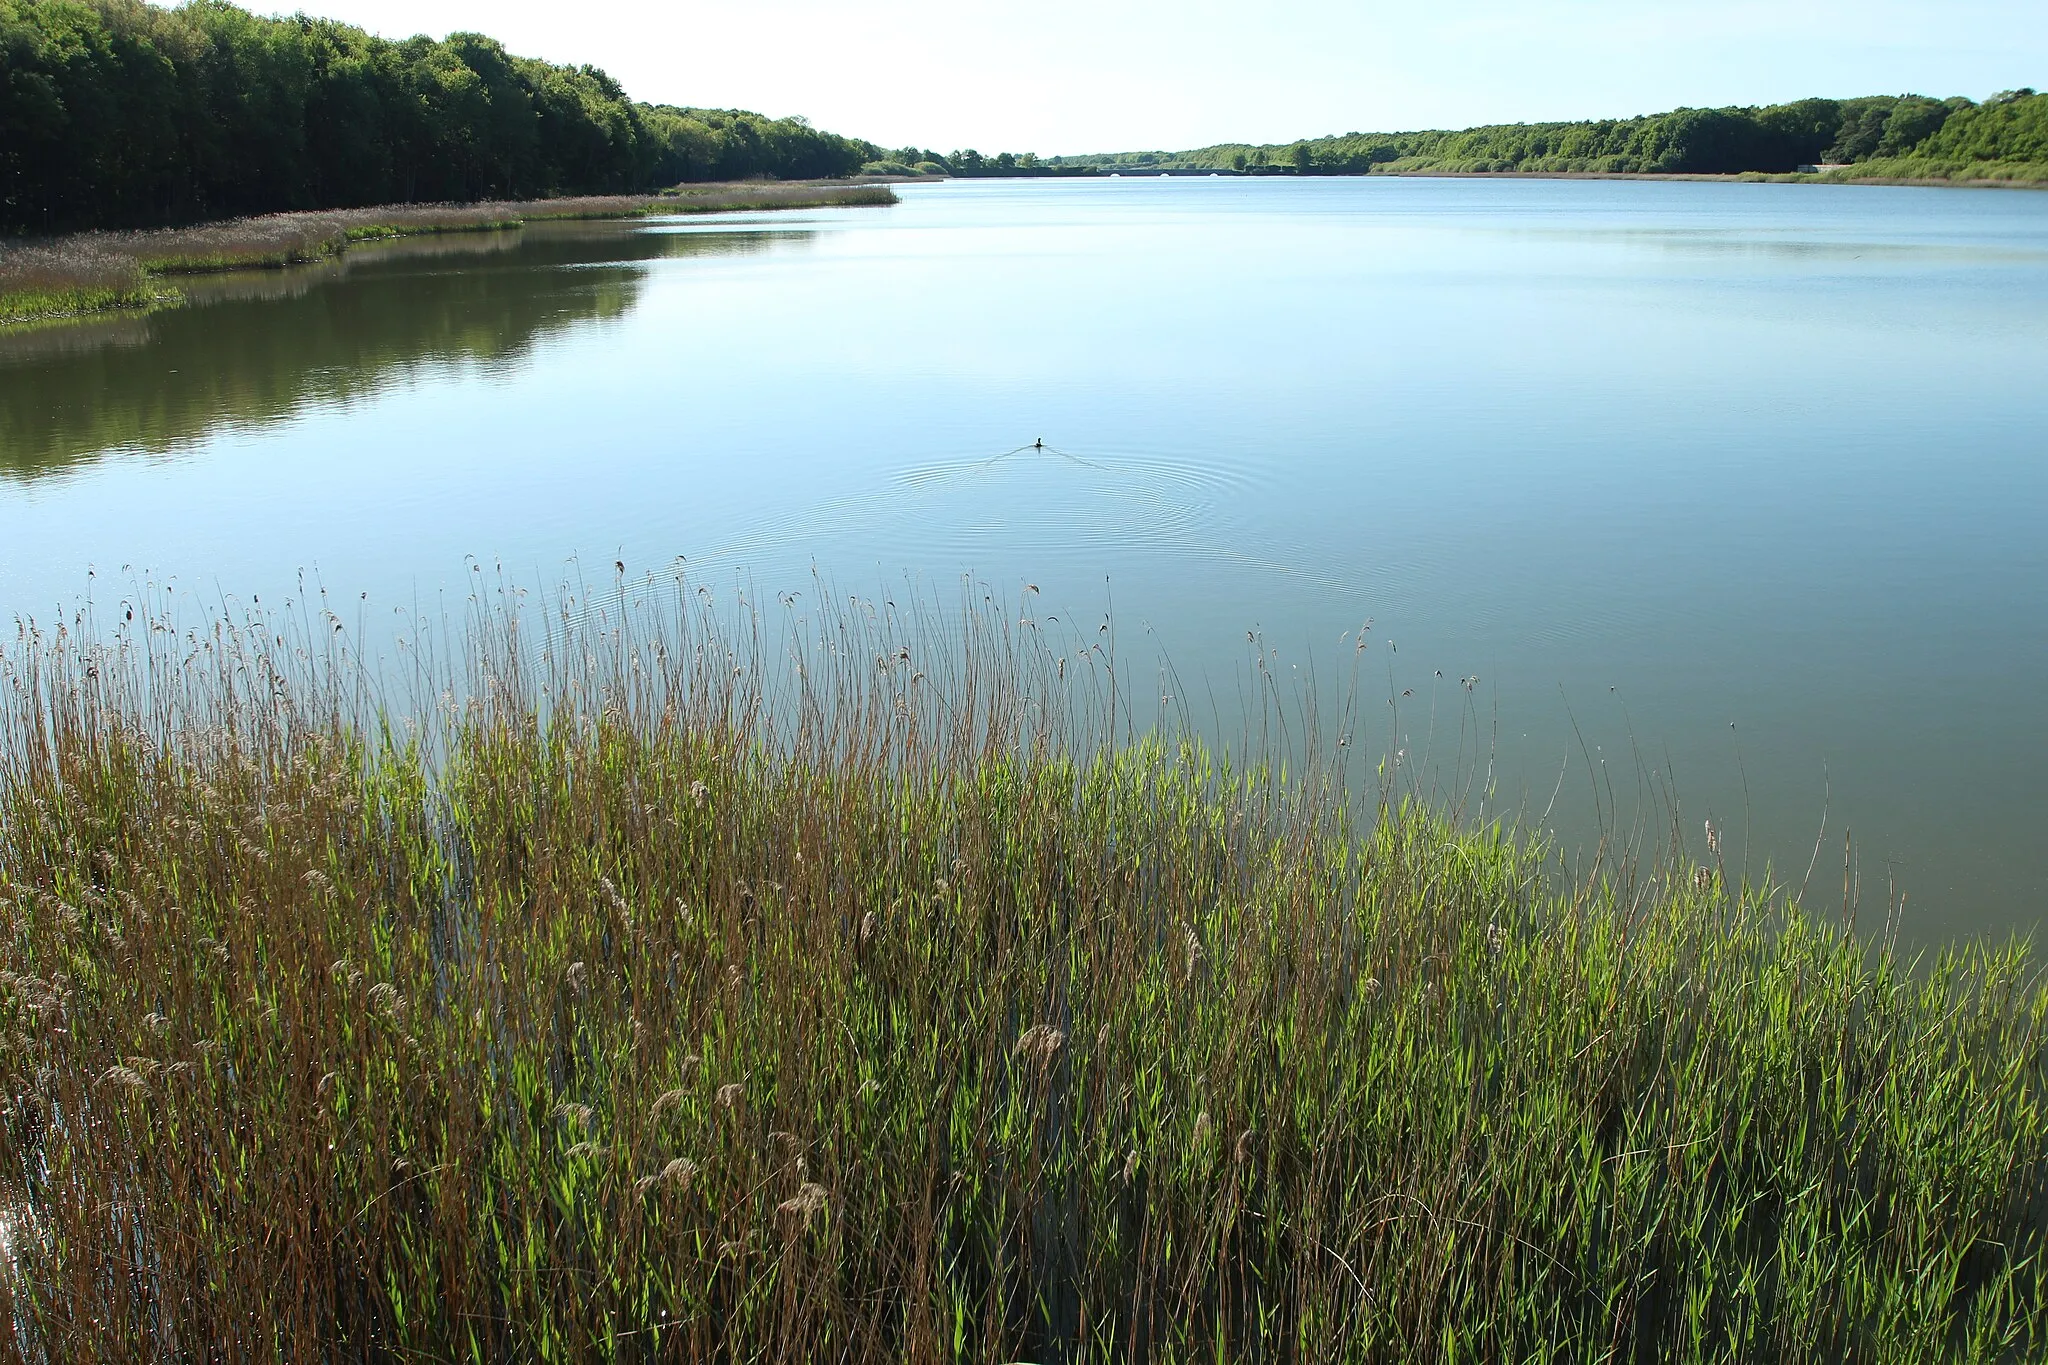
[851,981]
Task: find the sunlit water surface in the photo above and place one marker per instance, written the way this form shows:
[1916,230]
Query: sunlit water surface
[1744,485]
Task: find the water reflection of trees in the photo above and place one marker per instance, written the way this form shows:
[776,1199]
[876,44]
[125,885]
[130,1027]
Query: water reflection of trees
[257,347]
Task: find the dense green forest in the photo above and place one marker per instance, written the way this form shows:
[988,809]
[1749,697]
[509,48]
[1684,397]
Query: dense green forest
[1903,135]
[117,113]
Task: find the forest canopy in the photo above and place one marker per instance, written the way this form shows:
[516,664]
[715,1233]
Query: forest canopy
[117,113]
[1946,137]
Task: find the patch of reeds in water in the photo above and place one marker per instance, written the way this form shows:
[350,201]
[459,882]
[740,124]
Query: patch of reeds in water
[54,280]
[1915,170]
[684,985]
[94,271]
[763,195]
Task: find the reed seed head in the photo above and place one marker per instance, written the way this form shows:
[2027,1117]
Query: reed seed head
[1040,1041]
[807,1203]
[675,1176]
[125,1077]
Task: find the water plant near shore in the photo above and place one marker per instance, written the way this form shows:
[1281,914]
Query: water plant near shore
[692,983]
[97,271]
[69,280]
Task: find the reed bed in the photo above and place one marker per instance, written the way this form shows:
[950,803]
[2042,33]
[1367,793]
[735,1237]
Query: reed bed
[95,271]
[1915,170]
[1938,170]
[54,280]
[762,195]
[690,983]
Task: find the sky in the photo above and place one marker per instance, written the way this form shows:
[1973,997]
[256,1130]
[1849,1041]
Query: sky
[1070,76]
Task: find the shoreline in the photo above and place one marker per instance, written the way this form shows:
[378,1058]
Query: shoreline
[81,275]
[1732,178]
[1736,178]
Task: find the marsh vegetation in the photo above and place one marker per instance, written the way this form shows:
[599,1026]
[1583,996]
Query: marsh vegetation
[92,272]
[687,981]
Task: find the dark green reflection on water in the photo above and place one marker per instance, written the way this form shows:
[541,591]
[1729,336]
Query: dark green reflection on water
[257,347]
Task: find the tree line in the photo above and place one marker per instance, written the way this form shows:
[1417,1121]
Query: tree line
[970,164]
[117,113]
[2011,127]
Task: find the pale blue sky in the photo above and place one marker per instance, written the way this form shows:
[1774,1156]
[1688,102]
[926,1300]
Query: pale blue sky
[1109,75]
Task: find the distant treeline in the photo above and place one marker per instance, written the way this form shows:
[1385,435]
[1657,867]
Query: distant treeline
[971,164]
[1899,134]
[116,113]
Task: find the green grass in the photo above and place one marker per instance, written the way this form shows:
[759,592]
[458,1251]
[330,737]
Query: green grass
[856,986]
[96,271]
[49,304]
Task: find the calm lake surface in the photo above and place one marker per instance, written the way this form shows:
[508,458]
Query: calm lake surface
[1742,484]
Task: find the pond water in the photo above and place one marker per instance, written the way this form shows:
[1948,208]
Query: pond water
[1741,484]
